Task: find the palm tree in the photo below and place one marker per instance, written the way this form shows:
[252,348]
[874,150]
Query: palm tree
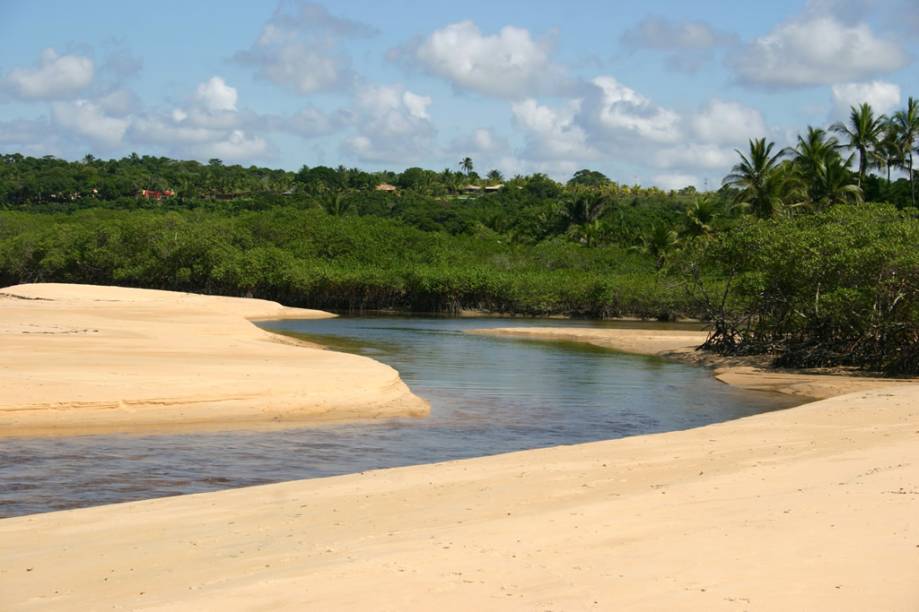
[834,184]
[863,133]
[907,126]
[658,242]
[495,176]
[760,178]
[466,165]
[700,217]
[889,150]
[814,151]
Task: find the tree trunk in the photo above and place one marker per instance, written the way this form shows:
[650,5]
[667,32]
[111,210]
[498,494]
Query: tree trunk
[912,189]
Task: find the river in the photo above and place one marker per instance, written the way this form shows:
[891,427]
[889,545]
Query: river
[488,395]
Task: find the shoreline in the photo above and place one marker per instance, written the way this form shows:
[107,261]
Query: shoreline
[812,506]
[82,359]
[679,346]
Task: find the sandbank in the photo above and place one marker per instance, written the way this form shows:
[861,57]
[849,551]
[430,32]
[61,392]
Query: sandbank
[680,345]
[90,359]
[814,507]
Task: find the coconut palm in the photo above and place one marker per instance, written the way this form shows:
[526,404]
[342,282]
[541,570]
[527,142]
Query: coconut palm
[863,133]
[466,165]
[760,179]
[906,122]
[658,242]
[834,184]
[814,151]
[890,153]
[700,216]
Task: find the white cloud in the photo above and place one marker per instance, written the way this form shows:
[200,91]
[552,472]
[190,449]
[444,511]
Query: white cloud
[215,95]
[392,125]
[299,48]
[87,119]
[675,181]
[694,155]
[417,105]
[883,97]
[53,77]
[816,50]
[235,146]
[552,133]
[689,44]
[620,113]
[662,33]
[509,64]
[723,122]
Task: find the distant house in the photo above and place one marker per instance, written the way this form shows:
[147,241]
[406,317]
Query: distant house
[493,188]
[386,187]
[153,194]
[472,189]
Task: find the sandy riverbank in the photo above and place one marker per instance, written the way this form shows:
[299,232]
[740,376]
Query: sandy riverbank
[680,345]
[812,508]
[86,359]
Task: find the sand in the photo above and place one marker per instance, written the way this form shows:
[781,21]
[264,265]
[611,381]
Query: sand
[814,507]
[680,345]
[86,359]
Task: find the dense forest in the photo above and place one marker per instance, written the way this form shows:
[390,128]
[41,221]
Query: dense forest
[809,253]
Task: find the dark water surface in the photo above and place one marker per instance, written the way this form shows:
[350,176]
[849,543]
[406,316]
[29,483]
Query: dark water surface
[487,396]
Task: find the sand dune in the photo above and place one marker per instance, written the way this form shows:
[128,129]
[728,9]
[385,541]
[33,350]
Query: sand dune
[84,359]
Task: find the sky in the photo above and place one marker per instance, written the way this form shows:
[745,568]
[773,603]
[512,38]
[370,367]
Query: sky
[658,93]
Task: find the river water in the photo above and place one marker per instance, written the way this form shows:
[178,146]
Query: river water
[487,395]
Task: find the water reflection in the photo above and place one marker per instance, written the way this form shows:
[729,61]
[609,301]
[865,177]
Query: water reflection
[488,396]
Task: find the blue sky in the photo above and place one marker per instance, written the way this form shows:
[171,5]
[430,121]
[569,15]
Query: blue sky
[656,92]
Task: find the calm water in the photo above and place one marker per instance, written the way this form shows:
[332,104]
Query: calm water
[487,396]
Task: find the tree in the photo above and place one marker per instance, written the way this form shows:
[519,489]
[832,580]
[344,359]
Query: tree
[833,184]
[589,178]
[657,243]
[863,133]
[821,169]
[760,179]
[889,151]
[495,176]
[906,123]
[466,165]
[700,217]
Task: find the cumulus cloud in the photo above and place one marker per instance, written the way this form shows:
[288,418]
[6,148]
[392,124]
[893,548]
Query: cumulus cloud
[696,155]
[723,122]
[883,97]
[87,119]
[215,95]
[816,49]
[675,181]
[392,125]
[509,64]
[688,44]
[552,133]
[299,48]
[621,114]
[235,146]
[53,77]
[480,141]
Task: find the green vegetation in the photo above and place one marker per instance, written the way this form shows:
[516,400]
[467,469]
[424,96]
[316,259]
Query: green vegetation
[797,254]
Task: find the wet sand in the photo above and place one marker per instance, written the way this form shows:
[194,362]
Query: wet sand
[84,359]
